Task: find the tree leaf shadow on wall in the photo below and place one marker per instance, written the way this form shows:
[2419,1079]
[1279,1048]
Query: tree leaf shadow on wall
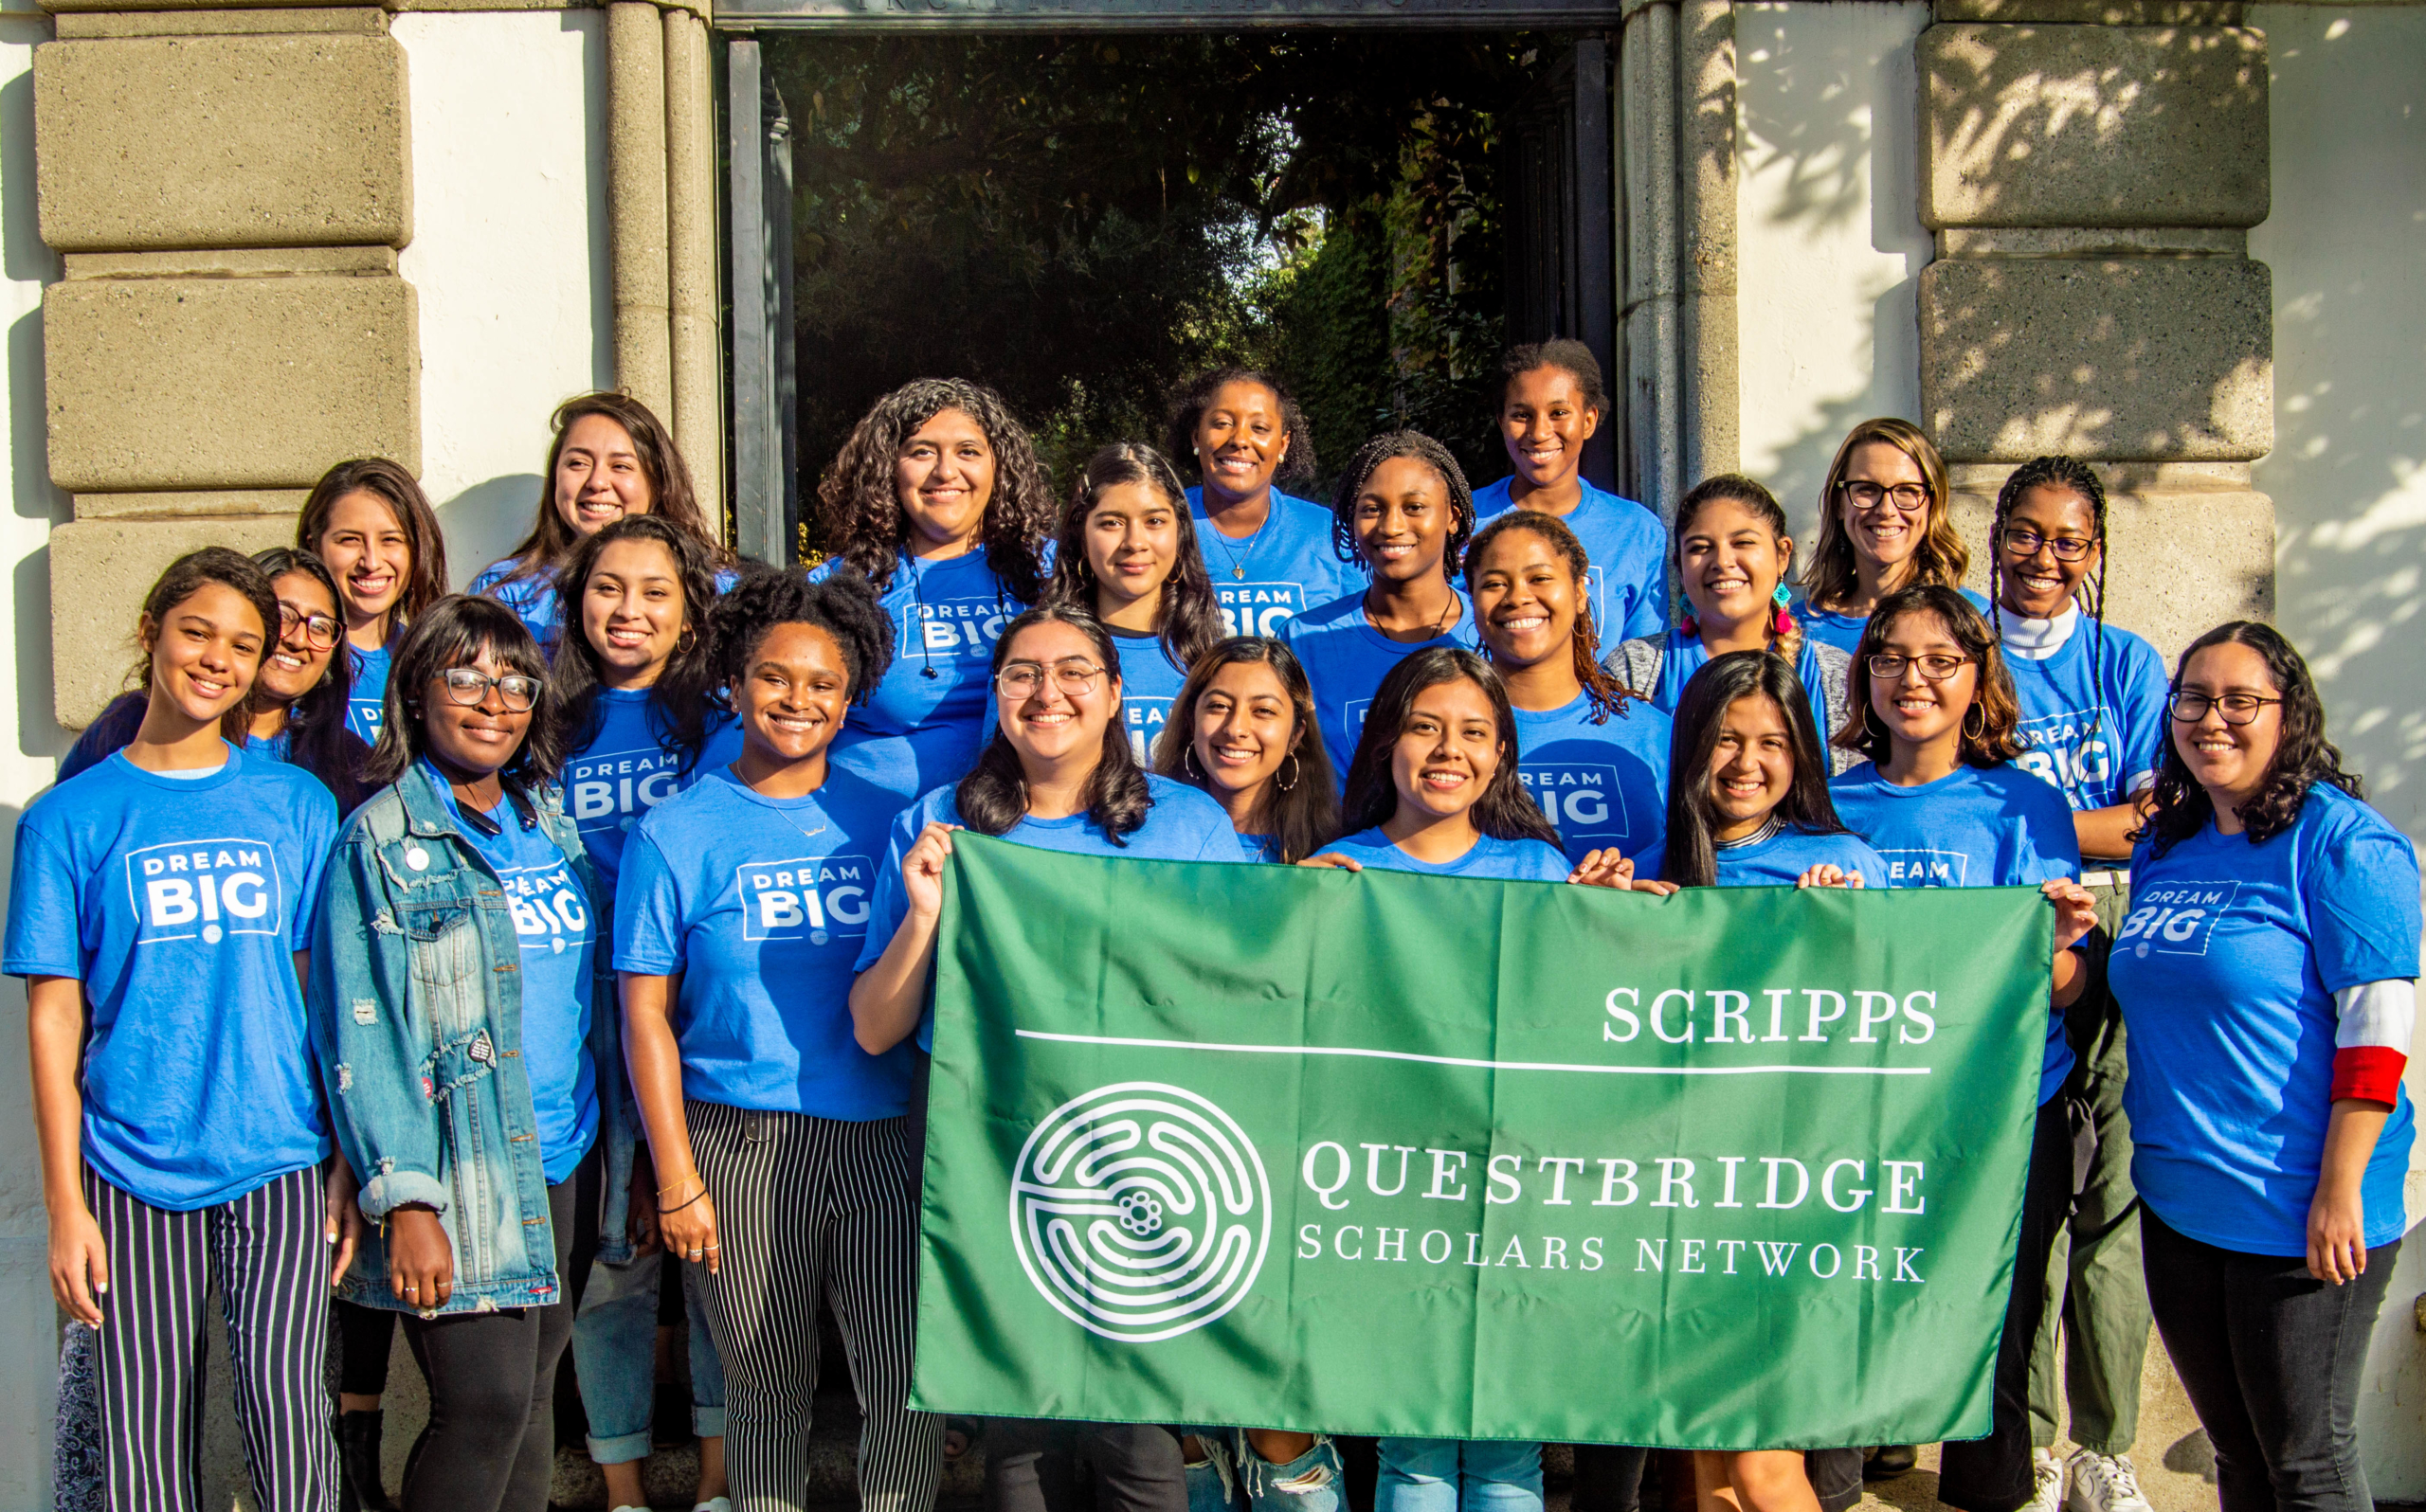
[485,521]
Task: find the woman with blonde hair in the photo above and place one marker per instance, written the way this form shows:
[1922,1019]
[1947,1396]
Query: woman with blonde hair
[1884,526]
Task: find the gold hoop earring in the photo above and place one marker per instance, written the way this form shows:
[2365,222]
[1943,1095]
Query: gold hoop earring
[1187,761]
[1290,785]
[1983,731]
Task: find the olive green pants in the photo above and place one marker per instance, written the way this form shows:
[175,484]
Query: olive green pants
[2096,1290]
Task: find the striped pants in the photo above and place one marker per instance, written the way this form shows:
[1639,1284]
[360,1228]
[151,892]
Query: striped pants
[265,1254]
[807,1210]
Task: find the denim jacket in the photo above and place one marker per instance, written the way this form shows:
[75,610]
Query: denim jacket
[416,1001]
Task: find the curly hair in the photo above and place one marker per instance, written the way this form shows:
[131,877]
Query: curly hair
[1784,631]
[1567,355]
[1941,559]
[2303,757]
[1298,817]
[1505,810]
[454,633]
[672,498]
[1689,857]
[1189,616]
[1369,457]
[1190,400]
[1999,739]
[859,505]
[679,700]
[842,604]
[993,797]
[426,579]
[1607,696]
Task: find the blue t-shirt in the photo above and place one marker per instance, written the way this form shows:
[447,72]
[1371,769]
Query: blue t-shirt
[367,702]
[179,904]
[1150,681]
[1261,849]
[1780,860]
[559,942]
[114,728]
[624,771]
[1627,547]
[531,598]
[1684,654]
[1286,567]
[761,905]
[2226,970]
[1498,860]
[1345,659]
[1601,785]
[1184,826]
[2061,698]
[1843,631]
[1977,827]
[918,730]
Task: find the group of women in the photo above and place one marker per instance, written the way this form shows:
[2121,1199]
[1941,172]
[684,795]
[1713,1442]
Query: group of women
[586,919]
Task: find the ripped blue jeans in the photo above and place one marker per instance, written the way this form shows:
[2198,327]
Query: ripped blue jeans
[1232,1474]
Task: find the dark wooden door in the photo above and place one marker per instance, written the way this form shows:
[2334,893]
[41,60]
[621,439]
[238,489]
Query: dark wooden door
[1560,197]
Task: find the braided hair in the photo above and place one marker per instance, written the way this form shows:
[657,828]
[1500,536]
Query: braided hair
[1369,459]
[2074,476]
[1608,696]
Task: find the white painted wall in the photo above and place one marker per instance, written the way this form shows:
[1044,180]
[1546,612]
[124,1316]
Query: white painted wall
[509,254]
[2346,240]
[1830,242]
[27,1328]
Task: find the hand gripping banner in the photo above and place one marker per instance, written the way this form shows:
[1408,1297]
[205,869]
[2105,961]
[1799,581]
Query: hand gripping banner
[1378,1153]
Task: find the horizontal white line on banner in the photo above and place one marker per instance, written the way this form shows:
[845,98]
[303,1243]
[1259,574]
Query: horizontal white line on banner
[1484,1065]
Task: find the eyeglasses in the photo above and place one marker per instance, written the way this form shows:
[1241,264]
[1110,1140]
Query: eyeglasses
[470,686]
[2237,708]
[1073,676]
[1935,668]
[1911,498]
[2023,541]
[319,631]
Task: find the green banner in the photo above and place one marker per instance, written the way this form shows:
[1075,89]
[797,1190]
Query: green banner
[1378,1153]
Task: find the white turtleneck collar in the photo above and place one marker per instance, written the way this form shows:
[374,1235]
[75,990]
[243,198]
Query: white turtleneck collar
[2037,639]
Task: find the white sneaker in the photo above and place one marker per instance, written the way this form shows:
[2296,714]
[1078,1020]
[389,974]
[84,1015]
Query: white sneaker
[2046,1482]
[2104,1483]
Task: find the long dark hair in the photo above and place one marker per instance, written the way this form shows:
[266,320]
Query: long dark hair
[1607,695]
[1999,737]
[1506,810]
[681,699]
[1299,816]
[1784,630]
[1191,399]
[993,797]
[426,583]
[1690,857]
[1189,619]
[672,498]
[184,578]
[2303,757]
[861,507]
[842,604]
[1941,558]
[453,634]
[318,739]
[1431,453]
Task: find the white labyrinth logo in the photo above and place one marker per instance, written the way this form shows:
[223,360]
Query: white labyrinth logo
[1140,1211]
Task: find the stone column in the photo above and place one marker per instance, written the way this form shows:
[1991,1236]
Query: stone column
[2091,168]
[229,189]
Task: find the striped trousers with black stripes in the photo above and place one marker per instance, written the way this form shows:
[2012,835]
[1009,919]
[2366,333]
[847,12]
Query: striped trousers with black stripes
[814,1209]
[266,1256]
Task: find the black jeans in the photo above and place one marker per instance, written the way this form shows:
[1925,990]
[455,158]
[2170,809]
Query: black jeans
[2271,1358]
[491,1442]
[1992,1474]
[1031,1466]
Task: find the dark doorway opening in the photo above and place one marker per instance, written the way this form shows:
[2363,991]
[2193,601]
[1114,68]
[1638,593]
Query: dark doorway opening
[1084,219]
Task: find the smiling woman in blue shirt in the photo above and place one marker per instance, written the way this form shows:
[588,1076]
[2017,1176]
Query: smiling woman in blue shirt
[161,912]
[2267,973]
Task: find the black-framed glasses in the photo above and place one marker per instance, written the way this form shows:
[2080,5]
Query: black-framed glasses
[469,686]
[1074,676]
[2237,708]
[319,630]
[2024,542]
[1908,497]
[1936,667]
